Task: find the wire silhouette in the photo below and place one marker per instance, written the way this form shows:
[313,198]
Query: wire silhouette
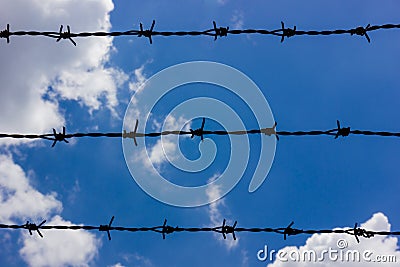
[215,32]
[224,229]
[336,132]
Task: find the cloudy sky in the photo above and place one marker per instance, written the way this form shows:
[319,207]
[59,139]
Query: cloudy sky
[309,82]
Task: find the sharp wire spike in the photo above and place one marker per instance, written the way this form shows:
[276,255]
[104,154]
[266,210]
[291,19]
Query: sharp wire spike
[135,131]
[6,33]
[225,229]
[216,32]
[107,228]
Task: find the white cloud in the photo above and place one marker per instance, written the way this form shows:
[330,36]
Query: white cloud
[378,245]
[59,248]
[135,259]
[31,64]
[139,79]
[141,260]
[88,87]
[20,201]
[245,258]
[215,212]
[166,148]
[16,195]
[157,152]
[222,2]
[237,20]
[73,192]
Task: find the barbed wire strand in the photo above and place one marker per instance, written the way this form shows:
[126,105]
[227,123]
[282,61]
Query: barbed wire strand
[224,229]
[215,32]
[336,132]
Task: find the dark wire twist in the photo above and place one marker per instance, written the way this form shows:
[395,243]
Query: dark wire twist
[65,35]
[339,131]
[215,32]
[224,229]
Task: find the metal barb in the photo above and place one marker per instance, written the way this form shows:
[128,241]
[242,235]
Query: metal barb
[342,131]
[287,32]
[59,137]
[65,35]
[362,32]
[198,132]
[6,33]
[132,134]
[227,229]
[107,228]
[361,232]
[356,232]
[147,33]
[271,131]
[336,132]
[166,229]
[289,231]
[33,227]
[220,32]
[215,32]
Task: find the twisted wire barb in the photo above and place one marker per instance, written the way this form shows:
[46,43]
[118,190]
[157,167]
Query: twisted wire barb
[224,229]
[336,132]
[215,32]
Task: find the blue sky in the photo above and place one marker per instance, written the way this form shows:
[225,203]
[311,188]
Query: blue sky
[309,82]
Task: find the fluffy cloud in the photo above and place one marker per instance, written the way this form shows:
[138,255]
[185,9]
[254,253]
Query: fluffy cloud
[139,79]
[215,211]
[37,71]
[59,248]
[16,195]
[19,200]
[134,259]
[222,2]
[237,20]
[378,245]
[167,146]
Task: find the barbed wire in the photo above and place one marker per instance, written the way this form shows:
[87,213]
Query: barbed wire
[336,132]
[224,229]
[215,32]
